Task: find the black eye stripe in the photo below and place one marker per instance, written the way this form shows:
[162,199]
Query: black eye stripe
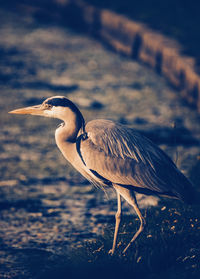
[63,102]
[59,102]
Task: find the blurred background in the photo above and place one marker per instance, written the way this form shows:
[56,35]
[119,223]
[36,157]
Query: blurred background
[52,220]
[176,19]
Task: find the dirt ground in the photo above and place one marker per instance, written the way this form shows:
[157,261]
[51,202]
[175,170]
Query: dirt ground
[52,220]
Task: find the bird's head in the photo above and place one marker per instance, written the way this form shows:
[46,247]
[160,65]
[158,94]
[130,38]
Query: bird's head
[55,107]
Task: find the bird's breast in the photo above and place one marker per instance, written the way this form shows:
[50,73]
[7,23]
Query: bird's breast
[69,151]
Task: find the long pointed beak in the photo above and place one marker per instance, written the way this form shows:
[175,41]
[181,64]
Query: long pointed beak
[34,110]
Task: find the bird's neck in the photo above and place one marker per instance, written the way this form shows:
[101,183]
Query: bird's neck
[66,136]
[68,131]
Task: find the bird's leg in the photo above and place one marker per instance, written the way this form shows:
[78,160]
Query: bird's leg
[133,202]
[117,223]
[129,196]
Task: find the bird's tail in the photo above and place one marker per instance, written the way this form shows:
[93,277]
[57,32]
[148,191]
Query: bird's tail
[185,190]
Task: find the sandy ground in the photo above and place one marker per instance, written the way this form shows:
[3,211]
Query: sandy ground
[47,209]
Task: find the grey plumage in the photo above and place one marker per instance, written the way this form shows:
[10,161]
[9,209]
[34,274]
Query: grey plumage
[125,157]
[112,155]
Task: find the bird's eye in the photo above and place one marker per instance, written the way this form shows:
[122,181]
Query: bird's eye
[47,106]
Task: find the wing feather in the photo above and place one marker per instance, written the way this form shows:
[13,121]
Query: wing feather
[121,155]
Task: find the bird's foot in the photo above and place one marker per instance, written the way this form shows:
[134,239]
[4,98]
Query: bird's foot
[125,250]
[111,252]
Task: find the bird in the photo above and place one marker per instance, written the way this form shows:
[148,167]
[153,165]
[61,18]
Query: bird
[110,154]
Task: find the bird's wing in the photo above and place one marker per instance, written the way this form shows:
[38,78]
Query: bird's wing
[120,155]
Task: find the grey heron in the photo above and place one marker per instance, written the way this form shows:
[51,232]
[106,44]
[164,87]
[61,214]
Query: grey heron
[112,155]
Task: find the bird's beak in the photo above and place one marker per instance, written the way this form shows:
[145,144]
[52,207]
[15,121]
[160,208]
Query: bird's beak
[34,110]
